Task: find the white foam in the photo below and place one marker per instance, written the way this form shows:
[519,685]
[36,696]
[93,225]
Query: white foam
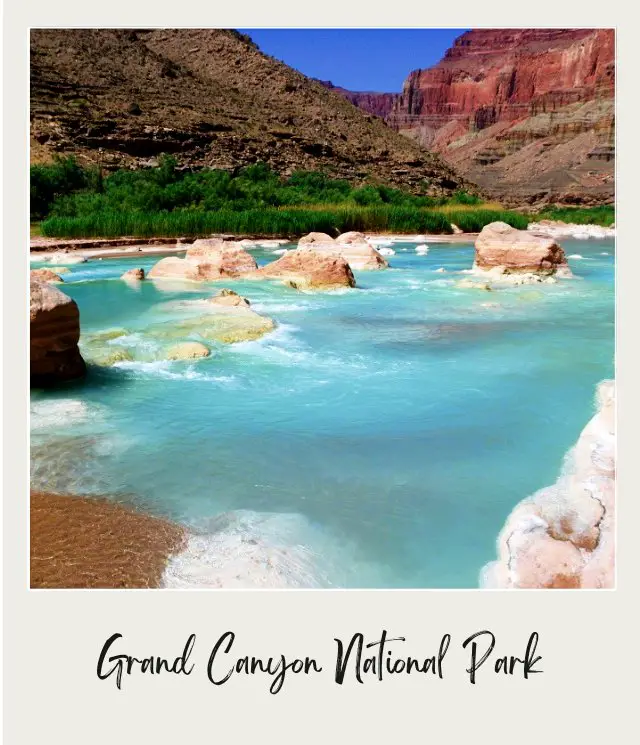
[386,251]
[422,249]
[171,370]
[52,414]
[269,307]
[441,270]
[575,256]
[245,549]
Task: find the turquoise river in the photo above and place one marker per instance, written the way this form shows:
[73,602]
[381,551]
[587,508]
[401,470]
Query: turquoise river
[383,433]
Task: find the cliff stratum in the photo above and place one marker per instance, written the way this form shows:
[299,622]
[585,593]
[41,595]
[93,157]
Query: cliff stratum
[211,98]
[378,104]
[528,114]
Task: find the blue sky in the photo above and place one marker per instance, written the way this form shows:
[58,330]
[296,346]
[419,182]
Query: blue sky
[358,59]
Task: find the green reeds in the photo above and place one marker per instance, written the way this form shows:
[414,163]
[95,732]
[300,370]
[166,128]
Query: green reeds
[273,221]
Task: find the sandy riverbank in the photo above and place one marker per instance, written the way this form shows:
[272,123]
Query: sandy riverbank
[43,248]
[78,542]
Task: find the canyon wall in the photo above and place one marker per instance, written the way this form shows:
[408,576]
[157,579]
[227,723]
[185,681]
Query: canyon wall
[373,102]
[528,114]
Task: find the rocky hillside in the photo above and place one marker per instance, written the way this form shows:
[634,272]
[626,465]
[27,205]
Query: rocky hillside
[528,114]
[211,98]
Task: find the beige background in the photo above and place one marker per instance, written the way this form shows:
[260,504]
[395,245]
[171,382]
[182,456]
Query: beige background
[52,639]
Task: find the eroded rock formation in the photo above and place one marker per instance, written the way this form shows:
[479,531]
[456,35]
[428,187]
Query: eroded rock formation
[526,113]
[353,247]
[133,275]
[308,269]
[207,260]
[45,275]
[564,535]
[506,250]
[55,331]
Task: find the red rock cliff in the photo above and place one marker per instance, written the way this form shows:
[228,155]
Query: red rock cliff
[379,104]
[526,113]
[491,76]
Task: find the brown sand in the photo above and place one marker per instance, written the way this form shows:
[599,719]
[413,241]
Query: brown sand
[79,542]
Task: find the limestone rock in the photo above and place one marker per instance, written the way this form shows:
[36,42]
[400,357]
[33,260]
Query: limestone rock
[224,324]
[308,269]
[207,260]
[187,350]
[55,331]
[352,246]
[224,258]
[66,259]
[133,275]
[500,245]
[172,267]
[564,535]
[45,275]
[315,238]
[230,298]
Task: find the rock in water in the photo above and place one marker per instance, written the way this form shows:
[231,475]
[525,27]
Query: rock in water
[66,259]
[230,298]
[172,267]
[187,350]
[315,238]
[55,331]
[564,535]
[206,260]
[352,246]
[133,275]
[308,269]
[224,258]
[519,251]
[45,275]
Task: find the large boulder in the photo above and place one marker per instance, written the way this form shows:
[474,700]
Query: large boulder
[172,267]
[55,331]
[307,269]
[226,258]
[207,260]
[351,246]
[564,535]
[512,251]
[312,238]
[220,324]
[45,275]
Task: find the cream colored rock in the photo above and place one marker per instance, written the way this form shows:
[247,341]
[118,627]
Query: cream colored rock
[228,325]
[222,258]
[564,535]
[315,238]
[67,259]
[352,236]
[207,260]
[352,246]
[45,275]
[230,298]
[558,230]
[172,267]
[54,331]
[518,251]
[133,275]
[188,350]
[307,269]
